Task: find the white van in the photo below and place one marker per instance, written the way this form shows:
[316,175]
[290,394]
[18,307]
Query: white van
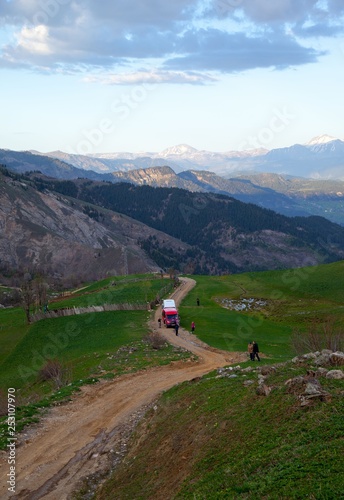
[168,303]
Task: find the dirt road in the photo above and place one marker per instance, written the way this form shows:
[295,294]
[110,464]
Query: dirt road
[88,435]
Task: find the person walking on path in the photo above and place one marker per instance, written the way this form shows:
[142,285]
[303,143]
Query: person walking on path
[250,351]
[255,351]
[159,321]
[176,326]
[193,326]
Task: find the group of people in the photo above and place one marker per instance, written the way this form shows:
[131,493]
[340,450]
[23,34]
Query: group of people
[176,326]
[253,350]
[193,326]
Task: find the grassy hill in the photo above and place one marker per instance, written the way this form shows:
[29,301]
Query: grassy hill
[267,307]
[214,437]
[79,349]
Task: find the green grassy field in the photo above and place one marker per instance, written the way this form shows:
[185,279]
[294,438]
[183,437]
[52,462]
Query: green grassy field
[116,290]
[217,439]
[222,440]
[86,346]
[84,342]
[294,300]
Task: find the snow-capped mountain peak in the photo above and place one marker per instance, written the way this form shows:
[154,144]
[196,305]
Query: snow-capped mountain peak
[320,139]
[180,150]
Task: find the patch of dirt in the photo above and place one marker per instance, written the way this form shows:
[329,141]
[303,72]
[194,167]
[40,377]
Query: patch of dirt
[87,437]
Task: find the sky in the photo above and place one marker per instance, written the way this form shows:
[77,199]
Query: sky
[87,76]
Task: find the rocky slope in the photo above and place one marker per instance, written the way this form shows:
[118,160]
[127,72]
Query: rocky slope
[52,234]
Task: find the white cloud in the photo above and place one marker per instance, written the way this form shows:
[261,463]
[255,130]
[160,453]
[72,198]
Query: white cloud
[152,77]
[35,40]
[78,35]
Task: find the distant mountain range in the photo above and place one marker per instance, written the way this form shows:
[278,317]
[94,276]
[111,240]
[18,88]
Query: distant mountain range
[320,158]
[288,195]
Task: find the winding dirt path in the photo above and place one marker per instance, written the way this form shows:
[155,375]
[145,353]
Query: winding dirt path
[88,435]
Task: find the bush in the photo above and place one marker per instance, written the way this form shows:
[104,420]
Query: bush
[155,340]
[54,371]
[318,337]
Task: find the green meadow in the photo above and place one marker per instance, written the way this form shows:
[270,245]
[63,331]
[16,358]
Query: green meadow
[91,345]
[288,301]
[83,343]
[86,347]
[215,438]
[293,301]
[225,441]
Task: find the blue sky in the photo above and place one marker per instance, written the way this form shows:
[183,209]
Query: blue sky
[126,75]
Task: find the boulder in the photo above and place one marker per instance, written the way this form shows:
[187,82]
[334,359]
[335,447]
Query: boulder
[247,370]
[323,359]
[326,351]
[312,388]
[263,390]
[248,382]
[310,355]
[337,358]
[321,372]
[335,374]
[266,370]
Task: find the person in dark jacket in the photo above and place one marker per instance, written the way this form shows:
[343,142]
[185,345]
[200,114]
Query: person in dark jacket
[176,328]
[255,351]
[250,351]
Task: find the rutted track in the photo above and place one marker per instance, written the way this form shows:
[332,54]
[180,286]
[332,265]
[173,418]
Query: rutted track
[88,435]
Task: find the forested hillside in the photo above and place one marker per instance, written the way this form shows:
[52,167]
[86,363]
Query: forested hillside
[225,235]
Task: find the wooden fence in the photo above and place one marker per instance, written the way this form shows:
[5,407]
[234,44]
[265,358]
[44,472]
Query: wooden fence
[73,311]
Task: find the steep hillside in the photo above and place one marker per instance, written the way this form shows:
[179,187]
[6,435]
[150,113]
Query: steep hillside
[63,237]
[291,196]
[223,234]
[77,232]
[308,196]
[157,177]
[259,432]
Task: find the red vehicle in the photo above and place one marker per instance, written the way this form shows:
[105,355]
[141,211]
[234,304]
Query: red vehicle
[169,313]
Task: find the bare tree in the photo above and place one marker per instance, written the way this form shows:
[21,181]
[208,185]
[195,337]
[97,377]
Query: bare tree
[40,291]
[27,296]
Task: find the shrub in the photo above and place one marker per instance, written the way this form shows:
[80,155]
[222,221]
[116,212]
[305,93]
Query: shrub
[155,340]
[54,371]
[318,337]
